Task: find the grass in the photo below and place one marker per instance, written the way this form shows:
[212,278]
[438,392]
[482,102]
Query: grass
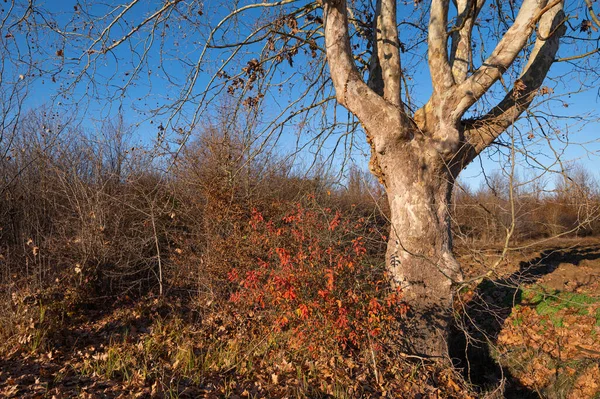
[114,363]
[517,321]
[172,352]
[555,304]
[540,341]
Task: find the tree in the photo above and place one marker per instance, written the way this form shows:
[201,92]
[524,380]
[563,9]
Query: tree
[418,157]
[416,152]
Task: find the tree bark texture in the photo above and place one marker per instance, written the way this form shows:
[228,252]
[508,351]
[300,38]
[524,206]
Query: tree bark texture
[419,253]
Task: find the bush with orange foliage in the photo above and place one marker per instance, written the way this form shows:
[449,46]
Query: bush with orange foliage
[313,274]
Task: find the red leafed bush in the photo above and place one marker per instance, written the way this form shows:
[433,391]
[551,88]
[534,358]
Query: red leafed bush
[314,276]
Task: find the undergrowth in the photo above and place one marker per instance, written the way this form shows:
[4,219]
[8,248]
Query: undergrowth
[303,311]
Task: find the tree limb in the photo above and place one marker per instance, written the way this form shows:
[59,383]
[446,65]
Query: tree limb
[439,66]
[481,132]
[385,76]
[461,50]
[381,119]
[507,50]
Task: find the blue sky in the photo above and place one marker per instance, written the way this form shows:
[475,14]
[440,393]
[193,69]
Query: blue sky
[161,78]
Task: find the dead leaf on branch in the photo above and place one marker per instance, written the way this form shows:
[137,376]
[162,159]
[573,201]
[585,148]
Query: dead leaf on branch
[586,25]
[292,24]
[519,88]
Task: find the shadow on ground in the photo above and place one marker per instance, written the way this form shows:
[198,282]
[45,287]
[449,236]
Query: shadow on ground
[485,314]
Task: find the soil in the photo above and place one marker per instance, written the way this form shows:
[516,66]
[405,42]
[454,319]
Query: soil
[539,310]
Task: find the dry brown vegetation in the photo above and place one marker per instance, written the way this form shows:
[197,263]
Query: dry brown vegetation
[234,276]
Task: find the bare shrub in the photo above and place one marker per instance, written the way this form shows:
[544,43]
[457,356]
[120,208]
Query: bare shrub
[537,209]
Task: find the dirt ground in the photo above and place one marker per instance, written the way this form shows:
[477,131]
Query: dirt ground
[540,314]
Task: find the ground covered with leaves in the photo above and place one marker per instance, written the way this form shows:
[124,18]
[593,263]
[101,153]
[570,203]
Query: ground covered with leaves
[300,307]
[540,318]
[177,347]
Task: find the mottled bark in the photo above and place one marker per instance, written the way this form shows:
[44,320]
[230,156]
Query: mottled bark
[419,254]
[461,52]
[481,132]
[504,54]
[385,65]
[437,50]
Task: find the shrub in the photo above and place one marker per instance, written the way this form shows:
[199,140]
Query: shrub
[313,274]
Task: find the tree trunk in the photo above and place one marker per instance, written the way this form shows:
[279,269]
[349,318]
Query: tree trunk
[419,254]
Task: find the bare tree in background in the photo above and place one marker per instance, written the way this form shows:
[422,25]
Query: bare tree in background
[480,87]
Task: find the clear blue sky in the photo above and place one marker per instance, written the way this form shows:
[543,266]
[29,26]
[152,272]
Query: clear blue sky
[162,77]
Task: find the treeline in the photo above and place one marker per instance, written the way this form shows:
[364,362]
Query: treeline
[567,205]
[101,211]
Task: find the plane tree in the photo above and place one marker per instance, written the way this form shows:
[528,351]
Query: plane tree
[428,84]
[419,155]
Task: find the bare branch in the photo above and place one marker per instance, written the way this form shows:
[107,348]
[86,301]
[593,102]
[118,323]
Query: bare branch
[439,66]
[592,13]
[507,50]
[385,77]
[481,132]
[380,118]
[461,50]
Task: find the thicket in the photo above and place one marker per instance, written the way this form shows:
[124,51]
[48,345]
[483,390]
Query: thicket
[97,211]
[268,257]
[567,205]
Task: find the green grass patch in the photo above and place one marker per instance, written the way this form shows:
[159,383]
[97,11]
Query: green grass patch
[517,321]
[550,303]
